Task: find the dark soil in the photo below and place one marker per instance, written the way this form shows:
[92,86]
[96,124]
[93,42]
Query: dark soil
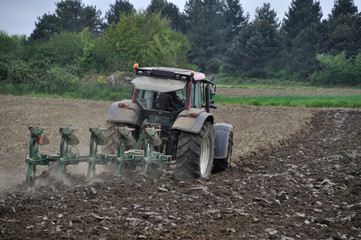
[255,129]
[306,188]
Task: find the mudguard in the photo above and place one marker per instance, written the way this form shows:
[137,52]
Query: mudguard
[130,114]
[185,122]
[221,133]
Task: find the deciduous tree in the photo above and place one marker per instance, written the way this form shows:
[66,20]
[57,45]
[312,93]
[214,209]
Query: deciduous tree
[147,40]
[70,16]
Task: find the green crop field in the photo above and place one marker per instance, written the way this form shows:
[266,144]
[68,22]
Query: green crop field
[280,86]
[345,101]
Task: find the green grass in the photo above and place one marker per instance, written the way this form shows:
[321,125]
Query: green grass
[339,101]
[259,86]
[233,80]
[239,82]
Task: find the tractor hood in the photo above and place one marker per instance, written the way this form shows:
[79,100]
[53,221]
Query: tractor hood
[161,85]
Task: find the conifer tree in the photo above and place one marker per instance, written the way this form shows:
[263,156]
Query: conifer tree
[205,23]
[118,8]
[170,11]
[235,18]
[301,14]
[302,36]
[343,29]
[258,46]
[70,16]
[343,8]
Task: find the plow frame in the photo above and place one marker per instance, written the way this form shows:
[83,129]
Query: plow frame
[147,158]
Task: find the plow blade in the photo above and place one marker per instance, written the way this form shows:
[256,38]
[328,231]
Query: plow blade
[146,158]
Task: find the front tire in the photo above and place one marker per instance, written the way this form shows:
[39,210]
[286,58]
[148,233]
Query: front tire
[195,153]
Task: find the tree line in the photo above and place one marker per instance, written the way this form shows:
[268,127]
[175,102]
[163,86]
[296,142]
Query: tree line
[214,36]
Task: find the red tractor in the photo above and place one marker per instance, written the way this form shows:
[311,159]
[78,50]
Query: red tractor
[177,103]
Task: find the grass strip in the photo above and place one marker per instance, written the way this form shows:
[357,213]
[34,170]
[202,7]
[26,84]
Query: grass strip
[336,101]
[246,86]
[94,91]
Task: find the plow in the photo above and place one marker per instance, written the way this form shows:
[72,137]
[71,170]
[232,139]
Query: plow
[146,159]
[167,121]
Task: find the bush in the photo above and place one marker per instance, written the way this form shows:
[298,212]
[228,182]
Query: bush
[12,45]
[335,70]
[287,75]
[14,70]
[106,58]
[356,70]
[57,80]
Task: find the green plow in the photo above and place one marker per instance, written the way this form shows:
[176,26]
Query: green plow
[147,158]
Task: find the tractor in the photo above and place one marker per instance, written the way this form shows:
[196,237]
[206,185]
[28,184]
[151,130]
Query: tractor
[167,122]
[177,102]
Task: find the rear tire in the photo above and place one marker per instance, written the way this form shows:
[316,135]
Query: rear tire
[223,164]
[195,153]
[112,136]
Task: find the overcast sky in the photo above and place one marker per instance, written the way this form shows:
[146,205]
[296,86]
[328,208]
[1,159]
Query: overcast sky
[19,16]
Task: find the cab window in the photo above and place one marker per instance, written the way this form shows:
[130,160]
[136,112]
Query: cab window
[196,95]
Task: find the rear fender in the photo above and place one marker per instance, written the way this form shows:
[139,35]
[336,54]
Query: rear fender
[186,123]
[130,114]
[222,132]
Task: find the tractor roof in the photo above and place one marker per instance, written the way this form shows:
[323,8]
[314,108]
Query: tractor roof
[171,73]
[157,84]
[164,79]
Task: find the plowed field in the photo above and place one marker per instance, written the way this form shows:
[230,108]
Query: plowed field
[296,175]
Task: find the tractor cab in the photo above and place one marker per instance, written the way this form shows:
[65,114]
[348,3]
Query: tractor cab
[163,93]
[161,101]
[171,89]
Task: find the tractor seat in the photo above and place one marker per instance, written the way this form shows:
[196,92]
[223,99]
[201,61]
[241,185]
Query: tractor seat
[164,102]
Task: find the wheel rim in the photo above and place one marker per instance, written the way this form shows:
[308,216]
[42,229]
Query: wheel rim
[229,155]
[204,159]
